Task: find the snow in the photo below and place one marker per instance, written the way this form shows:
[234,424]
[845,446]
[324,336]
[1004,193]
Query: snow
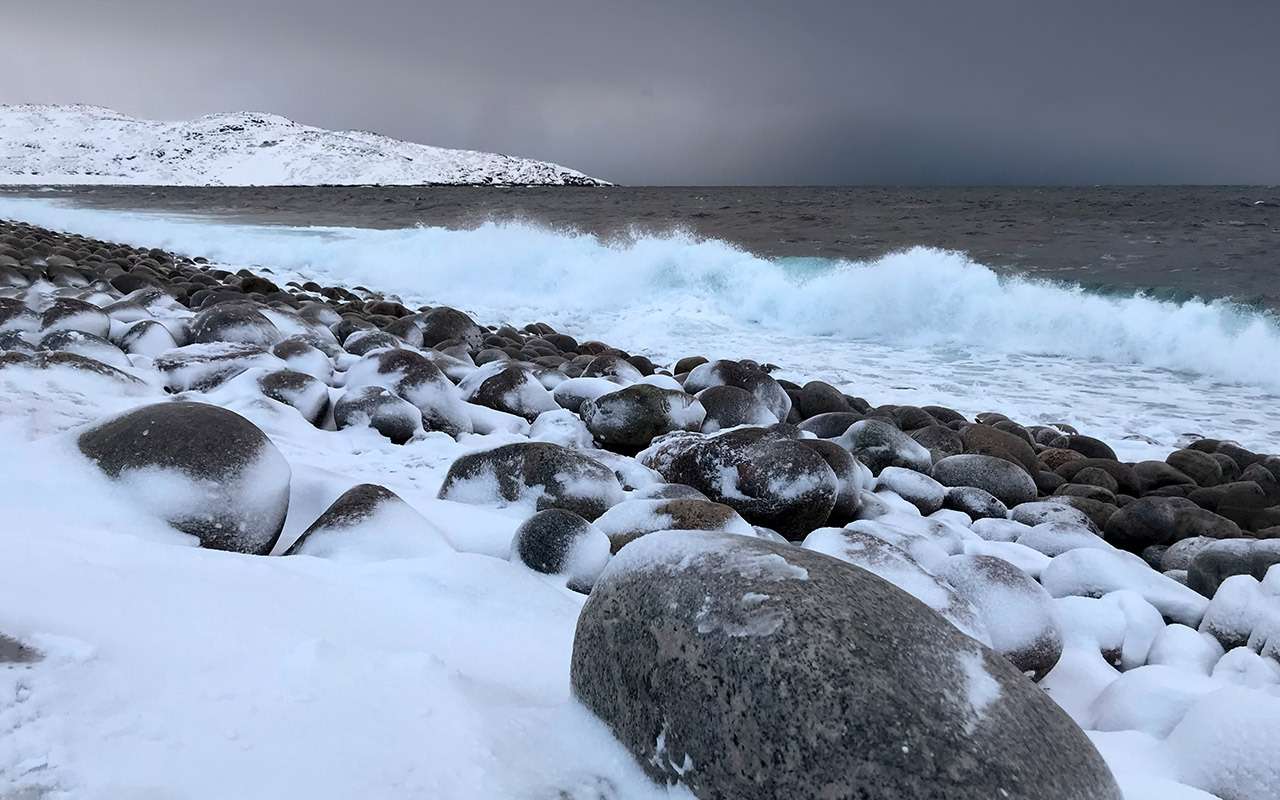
[76,144]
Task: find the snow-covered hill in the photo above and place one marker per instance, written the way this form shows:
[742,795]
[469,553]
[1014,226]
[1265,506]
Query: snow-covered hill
[78,144]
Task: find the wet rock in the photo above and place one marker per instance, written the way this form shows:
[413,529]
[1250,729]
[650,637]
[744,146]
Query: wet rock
[817,397]
[768,478]
[1011,485]
[977,503]
[1163,520]
[234,322]
[729,407]
[989,441]
[832,425]
[733,373]
[1203,468]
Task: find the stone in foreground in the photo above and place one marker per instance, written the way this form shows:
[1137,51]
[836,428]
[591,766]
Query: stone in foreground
[746,669]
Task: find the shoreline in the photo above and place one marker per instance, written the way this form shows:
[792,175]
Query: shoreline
[422,460]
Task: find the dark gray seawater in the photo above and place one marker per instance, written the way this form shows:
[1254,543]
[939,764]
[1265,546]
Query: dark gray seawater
[1175,242]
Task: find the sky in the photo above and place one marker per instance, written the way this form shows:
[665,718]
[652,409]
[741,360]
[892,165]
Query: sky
[706,91]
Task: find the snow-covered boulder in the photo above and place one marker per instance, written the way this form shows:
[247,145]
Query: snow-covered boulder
[206,471]
[561,543]
[370,523]
[629,419]
[1017,612]
[693,648]
[538,474]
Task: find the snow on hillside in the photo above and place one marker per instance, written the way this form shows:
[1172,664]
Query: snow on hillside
[78,144]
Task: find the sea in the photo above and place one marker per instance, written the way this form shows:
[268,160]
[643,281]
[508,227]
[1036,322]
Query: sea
[1145,316]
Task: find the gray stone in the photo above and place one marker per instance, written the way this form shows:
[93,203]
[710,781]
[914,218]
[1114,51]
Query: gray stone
[749,670]
[1003,479]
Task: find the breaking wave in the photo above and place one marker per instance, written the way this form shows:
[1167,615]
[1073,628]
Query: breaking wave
[916,298]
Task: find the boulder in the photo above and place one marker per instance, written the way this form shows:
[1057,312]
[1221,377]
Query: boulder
[731,664]
[977,503]
[561,543]
[990,441]
[879,444]
[416,379]
[205,470]
[631,519]
[733,373]
[629,419]
[729,407]
[1163,520]
[1213,563]
[1011,485]
[370,522]
[375,406]
[763,474]
[1016,611]
[539,474]
[234,322]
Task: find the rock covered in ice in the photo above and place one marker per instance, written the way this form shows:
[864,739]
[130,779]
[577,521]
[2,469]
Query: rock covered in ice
[916,488]
[878,445]
[762,473]
[1017,612]
[712,659]
[756,381]
[561,543]
[1225,744]
[1088,572]
[207,471]
[378,408]
[538,474]
[370,522]
[629,419]
[413,377]
[895,565]
[631,519]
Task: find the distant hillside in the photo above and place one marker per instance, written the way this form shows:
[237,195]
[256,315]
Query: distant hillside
[51,144]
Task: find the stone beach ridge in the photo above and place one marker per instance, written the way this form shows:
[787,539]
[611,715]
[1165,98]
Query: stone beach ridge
[1009,576]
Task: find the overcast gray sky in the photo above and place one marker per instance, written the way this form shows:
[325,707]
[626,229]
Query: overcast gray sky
[706,91]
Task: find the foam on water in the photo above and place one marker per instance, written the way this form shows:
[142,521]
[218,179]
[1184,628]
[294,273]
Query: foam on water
[917,326]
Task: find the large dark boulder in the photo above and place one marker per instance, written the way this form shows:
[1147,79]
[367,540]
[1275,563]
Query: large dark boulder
[830,425]
[1215,562]
[1003,479]
[990,441]
[446,324]
[817,397]
[747,669]
[207,471]
[733,373]
[763,474]
[542,474]
[1202,467]
[629,419]
[1163,520]
[234,322]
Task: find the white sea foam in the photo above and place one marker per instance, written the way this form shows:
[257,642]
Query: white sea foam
[917,326]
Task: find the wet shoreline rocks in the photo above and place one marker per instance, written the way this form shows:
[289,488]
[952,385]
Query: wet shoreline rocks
[1028,554]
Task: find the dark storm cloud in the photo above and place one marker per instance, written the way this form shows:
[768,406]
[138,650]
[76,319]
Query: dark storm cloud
[705,92]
